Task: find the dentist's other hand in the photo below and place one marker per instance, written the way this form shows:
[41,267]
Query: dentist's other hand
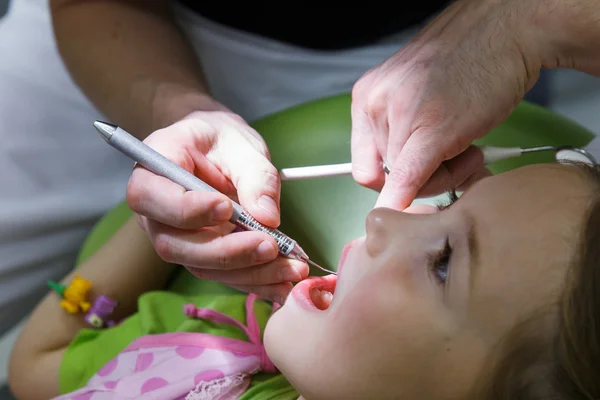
[192,228]
[420,110]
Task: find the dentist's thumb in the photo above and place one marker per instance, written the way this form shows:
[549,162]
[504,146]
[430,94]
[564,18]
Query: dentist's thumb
[258,186]
[410,170]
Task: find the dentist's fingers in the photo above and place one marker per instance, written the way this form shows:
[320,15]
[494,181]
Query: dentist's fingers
[256,180]
[476,177]
[421,209]
[277,292]
[453,173]
[422,154]
[212,248]
[166,202]
[280,270]
[367,165]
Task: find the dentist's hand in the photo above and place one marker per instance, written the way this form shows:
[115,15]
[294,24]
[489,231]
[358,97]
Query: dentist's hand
[192,228]
[420,110]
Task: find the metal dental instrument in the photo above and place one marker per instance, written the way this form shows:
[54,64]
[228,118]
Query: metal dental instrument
[160,165]
[561,153]
[567,153]
[490,155]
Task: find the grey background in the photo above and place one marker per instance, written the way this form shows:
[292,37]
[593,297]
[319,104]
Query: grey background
[4,392]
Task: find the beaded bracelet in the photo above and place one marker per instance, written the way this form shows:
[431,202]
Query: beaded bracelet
[75,300]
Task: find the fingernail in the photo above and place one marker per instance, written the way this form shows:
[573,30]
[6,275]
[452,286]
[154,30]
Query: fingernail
[220,212]
[267,204]
[289,273]
[265,251]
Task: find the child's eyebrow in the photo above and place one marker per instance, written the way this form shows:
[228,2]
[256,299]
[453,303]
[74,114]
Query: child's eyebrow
[474,249]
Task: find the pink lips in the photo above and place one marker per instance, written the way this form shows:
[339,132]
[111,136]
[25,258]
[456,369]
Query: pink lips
[344,254]
[301,291]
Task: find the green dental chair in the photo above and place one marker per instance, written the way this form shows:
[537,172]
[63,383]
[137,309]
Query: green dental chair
[324,214]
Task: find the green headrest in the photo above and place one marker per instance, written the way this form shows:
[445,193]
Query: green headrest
[324,214]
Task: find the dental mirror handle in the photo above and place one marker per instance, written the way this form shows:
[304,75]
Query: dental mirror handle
[490,155]
[315,171]
[493,154]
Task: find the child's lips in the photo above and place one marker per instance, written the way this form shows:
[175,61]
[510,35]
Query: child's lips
[344,254]
[304,291]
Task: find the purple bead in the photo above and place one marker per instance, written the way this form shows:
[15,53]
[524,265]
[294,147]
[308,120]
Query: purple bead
[102,308]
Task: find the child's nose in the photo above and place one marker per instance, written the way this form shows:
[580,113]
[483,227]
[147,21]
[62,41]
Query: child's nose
[386,227]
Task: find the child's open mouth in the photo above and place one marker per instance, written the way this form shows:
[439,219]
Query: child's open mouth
[316,292]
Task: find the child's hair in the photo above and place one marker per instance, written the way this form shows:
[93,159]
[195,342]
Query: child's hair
[555,354]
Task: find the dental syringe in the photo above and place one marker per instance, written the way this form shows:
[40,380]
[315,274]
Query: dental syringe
[160,165]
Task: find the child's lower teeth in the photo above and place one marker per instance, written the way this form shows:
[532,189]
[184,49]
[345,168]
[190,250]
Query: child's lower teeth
[321,298]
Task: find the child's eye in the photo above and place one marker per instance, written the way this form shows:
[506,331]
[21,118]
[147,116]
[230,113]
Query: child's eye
[441,263]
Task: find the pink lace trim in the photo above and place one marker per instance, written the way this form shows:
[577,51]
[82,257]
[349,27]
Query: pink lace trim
[226,388]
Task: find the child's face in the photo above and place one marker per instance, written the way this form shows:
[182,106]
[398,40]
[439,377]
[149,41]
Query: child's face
[412,320]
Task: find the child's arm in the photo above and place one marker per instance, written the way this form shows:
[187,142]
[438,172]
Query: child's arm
[124,268]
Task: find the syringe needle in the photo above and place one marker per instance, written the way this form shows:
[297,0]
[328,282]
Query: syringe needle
[318,266]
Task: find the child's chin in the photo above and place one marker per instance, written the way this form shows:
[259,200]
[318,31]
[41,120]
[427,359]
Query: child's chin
[275,338]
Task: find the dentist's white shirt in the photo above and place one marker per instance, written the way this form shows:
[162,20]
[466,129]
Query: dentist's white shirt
[57,176]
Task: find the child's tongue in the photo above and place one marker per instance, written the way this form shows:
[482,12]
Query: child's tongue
[321,298]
